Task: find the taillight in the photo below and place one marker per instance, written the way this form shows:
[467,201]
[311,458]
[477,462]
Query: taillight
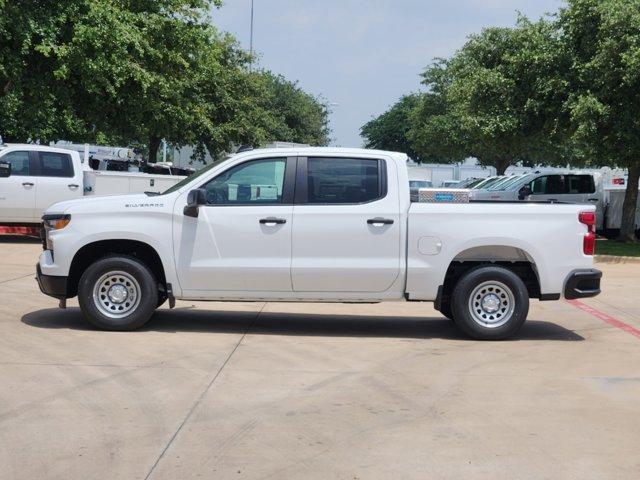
[589,244]
[588,218]
[589,241]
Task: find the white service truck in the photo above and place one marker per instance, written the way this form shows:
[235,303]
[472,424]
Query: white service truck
[32,177]
[315,225]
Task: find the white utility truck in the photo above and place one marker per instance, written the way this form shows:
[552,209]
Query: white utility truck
[316,225]
[32,177]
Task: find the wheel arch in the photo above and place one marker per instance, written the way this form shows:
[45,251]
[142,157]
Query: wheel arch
[96,250]
[510,257]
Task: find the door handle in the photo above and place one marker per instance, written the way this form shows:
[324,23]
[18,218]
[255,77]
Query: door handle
[272,220]
[73,185]
[592,199]
[380,221]
[27,184]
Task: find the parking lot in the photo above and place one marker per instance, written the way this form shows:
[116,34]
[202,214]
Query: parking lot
[241,390]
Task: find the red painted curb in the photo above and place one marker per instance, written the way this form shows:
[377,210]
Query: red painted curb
[15,230]
[614,322]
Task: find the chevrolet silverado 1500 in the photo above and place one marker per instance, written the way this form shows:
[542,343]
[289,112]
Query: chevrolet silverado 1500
[315,225]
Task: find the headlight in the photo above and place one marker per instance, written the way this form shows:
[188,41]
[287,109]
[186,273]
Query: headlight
[53,222]
[56,222]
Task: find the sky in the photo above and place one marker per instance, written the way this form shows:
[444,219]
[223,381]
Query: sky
[362,55]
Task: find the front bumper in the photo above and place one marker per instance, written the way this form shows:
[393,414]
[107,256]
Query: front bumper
[583,284]
[51,285]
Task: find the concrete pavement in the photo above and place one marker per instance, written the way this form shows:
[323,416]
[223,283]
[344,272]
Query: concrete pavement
[288,391]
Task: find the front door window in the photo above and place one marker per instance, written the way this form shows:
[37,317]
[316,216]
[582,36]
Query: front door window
[259,182]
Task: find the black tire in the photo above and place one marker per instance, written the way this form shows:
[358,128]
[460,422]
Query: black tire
[126,276]
[492,288]
[161,300]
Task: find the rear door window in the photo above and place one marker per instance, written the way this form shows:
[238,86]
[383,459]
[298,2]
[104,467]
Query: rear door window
[53,164]
[19,163]
[581,184]
[344,180]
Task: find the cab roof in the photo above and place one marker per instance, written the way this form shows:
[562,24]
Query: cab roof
[319,151]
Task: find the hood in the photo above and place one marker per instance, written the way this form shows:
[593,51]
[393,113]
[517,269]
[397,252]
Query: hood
[108,203]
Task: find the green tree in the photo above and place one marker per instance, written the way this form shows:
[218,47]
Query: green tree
[138,71]
[435,131]
[603,38]
[389,130]
[489,98]
[293,114]
[89,70]
[34,103]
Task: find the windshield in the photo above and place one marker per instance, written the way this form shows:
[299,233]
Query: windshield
[191,177]
[495,184]
[485,183]
[469,183]
[503,183]
[481,183]
[420,184]
[520,181]
[474,183]
[512,181]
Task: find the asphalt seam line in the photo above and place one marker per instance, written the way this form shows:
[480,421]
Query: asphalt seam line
[17,278]
[202,395]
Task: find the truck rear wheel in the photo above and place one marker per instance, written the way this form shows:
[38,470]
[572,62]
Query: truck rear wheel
[118,293]
[490,303]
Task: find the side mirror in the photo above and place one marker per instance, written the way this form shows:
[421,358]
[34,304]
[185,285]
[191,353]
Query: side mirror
[195,198]
[524,192]
[5,169]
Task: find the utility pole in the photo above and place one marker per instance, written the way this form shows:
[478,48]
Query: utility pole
[251,38]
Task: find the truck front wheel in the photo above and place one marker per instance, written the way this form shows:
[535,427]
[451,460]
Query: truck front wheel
[118,293]
[490,303]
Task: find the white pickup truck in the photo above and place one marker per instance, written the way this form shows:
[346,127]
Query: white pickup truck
[571,187]
[32,177]
[315,225]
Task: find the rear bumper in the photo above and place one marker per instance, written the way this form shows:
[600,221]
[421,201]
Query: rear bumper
[583,284]
[50,285]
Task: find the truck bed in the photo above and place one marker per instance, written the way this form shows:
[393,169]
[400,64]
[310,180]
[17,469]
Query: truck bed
[548,235]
